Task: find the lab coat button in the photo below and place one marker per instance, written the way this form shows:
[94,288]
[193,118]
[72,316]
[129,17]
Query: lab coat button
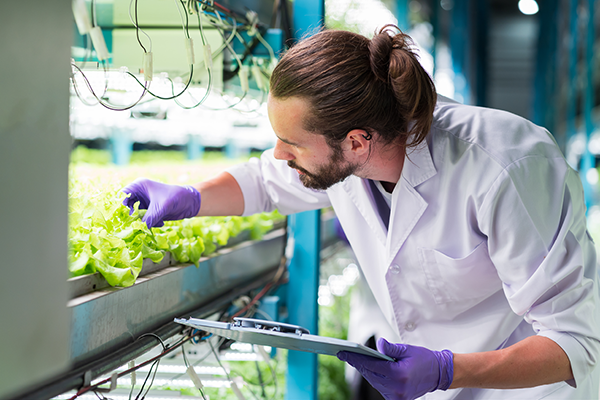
[395,269]
[410,326]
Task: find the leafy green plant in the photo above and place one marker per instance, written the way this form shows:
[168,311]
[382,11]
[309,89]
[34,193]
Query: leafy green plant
[105,238]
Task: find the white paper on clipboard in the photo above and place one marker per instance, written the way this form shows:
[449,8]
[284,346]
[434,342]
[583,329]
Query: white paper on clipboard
[280,335]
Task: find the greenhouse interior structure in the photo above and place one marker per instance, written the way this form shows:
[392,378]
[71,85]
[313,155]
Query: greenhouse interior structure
[95,304]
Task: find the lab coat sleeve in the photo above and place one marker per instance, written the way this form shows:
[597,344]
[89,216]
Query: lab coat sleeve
[268,184]
[534,218]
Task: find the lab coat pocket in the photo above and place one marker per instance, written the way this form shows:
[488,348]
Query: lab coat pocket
[472,277]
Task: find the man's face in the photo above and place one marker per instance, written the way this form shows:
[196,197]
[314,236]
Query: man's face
[318,165]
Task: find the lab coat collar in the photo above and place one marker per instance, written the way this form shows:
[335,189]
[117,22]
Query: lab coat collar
[418,165]
[407,204]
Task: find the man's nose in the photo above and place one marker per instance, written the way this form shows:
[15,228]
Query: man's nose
[282,152]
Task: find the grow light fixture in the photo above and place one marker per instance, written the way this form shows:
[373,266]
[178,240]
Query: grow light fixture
[528,7]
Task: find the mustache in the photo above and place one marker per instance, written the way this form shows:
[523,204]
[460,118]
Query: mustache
[292,164]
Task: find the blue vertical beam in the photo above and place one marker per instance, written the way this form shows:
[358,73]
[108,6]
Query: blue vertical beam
[302,373]
[195,149]
[309,17]
[588,161]
[402,15]
[121,147]
[459,45]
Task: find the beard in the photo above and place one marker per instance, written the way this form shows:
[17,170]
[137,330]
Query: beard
[336,170]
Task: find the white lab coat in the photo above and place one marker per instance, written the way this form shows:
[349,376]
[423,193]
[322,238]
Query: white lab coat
[487,242]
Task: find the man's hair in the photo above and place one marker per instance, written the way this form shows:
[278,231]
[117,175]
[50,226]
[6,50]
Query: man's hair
[352,82]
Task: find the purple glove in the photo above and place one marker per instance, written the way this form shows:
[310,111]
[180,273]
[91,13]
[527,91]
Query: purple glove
[416,371]
[164,202]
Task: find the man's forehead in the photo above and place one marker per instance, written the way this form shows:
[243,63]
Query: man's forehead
[287,119]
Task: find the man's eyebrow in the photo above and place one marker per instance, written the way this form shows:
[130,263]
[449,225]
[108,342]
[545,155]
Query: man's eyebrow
[286,141]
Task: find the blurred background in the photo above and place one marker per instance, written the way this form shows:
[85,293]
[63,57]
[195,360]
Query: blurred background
[100,92]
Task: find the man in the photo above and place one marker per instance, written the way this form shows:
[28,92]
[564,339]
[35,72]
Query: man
[467,222]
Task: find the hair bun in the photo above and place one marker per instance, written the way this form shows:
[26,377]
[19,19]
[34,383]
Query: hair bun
[380,50]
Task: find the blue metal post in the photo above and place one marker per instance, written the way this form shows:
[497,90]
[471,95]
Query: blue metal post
[233,150]
[195,149]
[589,161]
[309,17]
[302,373]
[302,301]
[402,15]
[121,148]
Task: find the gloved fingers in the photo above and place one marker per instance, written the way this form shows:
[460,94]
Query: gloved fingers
[381,384]
[362,362]
[137,191]
[153,219]
[396,351]
[371,376]
[129,202]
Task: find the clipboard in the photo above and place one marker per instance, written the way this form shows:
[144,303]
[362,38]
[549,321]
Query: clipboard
[280,335]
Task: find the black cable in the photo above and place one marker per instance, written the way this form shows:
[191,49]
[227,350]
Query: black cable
[155,364]
[174,95]
[106,105]
[128,371]
[260,380]
[221,339]
[93,13]
[137,27]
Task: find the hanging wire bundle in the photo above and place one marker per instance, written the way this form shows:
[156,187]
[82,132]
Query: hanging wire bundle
[227,22]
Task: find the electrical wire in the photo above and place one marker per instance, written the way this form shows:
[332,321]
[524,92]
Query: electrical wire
[94,13]
[200,26]
[191,74]
[208,88]
[186,25]
[155,364]
[174,96]
[267,45]
[225,370]
[209,71]
[102,102]
[187,364]
[128,371]
[222,18]
[137,27]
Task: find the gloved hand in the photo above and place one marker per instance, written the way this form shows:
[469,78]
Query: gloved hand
[416,371]
[164,202]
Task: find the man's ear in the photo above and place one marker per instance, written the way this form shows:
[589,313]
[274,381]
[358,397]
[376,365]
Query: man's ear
[358,142]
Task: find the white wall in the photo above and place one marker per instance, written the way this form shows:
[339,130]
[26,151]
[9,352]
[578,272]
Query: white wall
[35,39]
